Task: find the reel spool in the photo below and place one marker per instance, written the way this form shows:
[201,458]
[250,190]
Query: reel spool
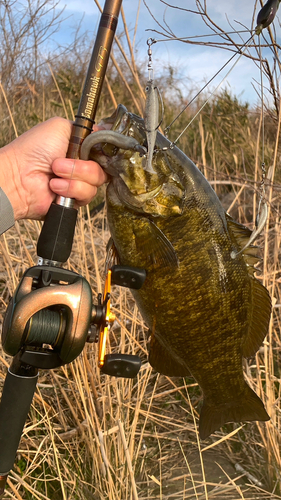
[48,318]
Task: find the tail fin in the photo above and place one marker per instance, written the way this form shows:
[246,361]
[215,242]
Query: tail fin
[248,407]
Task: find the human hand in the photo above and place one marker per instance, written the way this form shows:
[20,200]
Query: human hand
[33,170]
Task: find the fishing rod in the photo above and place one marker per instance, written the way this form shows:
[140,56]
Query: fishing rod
[51,315]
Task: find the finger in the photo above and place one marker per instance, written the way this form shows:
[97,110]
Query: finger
[104,126]
[84,171]
[82,192]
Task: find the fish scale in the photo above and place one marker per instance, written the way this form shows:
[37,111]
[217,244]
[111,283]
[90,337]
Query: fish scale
[205,310]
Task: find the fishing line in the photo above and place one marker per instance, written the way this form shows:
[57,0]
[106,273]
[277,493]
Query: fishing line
[262,101]
[211,95]
[262,212]
[199,36]
[262,186]
[208,83]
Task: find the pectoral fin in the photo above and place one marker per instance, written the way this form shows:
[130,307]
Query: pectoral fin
[112,256]
[152,243]
[163,362]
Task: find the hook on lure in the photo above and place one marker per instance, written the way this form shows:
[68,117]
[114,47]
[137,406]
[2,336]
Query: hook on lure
[261,216]
[266,15]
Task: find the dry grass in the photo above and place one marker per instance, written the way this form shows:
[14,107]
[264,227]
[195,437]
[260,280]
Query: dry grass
[90,436]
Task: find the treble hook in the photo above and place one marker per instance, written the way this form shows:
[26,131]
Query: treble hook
[261,218]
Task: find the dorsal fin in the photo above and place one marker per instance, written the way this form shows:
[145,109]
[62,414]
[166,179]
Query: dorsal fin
[261,302]
[251,258]
[260,223]
[241,235]
[261,311]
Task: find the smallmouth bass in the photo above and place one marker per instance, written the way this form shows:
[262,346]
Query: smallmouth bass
[205,309]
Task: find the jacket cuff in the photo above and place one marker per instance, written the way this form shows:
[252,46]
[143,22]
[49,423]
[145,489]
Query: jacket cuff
[7,219]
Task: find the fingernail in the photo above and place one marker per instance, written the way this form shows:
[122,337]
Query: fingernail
[65,167]
[59,184]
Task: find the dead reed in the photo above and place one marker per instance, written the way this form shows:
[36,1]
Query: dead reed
[90,436]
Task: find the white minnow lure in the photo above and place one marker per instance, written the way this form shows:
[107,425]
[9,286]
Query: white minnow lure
[261,223]
[151,121]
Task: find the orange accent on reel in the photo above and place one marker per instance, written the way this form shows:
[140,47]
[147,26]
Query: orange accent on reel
[109,318]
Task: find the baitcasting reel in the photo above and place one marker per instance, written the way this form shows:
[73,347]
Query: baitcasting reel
[51,317]
[47,323]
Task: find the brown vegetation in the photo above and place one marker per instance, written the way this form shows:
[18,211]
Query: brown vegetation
[90,436]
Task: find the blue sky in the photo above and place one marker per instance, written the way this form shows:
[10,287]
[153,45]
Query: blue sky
[193,63]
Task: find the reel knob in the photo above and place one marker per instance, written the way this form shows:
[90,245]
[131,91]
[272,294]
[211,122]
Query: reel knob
[121,365]
[130,277]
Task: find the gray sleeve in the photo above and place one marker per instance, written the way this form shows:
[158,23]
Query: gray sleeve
[6,213]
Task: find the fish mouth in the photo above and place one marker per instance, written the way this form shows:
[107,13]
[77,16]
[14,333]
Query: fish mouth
[126,123]
[117,120]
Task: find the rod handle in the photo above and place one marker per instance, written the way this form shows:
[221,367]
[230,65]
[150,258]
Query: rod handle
[15,403]
[56,237]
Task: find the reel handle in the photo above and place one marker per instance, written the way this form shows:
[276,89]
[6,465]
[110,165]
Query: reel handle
[121,365]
